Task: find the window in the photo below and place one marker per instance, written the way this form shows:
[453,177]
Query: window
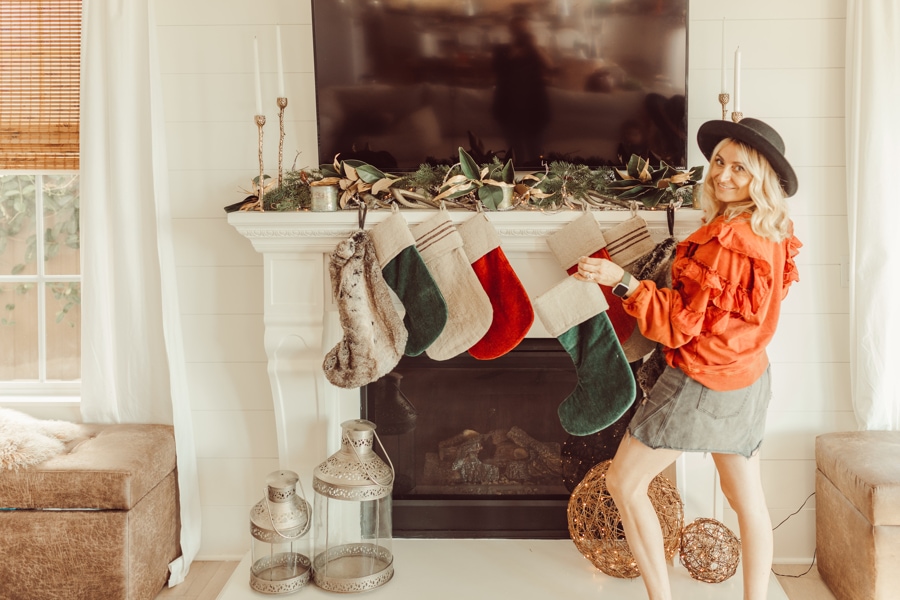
[40,280]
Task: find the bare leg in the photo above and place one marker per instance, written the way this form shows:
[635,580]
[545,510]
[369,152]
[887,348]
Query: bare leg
[628,478]
[742,486]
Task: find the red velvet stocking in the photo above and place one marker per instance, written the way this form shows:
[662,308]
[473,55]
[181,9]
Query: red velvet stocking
[513,313]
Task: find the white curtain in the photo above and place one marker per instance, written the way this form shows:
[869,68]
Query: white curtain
[133,367]
[873,151]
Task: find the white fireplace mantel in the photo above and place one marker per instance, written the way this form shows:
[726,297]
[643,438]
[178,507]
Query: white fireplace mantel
[302,323]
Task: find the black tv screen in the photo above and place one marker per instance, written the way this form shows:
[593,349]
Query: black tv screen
[400,83]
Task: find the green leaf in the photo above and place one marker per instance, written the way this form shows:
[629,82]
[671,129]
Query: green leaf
[328,171]
[652,199]
[635,166]
[490,196]
[467,164]
[508,174]
[18,268]
[370,174]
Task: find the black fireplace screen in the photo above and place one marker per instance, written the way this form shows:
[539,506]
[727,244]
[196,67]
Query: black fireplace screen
[477,446]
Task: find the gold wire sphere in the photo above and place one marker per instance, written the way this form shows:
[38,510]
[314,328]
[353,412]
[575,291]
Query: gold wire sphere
[596,528]
[709,550]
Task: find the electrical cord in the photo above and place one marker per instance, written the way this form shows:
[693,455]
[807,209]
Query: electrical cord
[814,551]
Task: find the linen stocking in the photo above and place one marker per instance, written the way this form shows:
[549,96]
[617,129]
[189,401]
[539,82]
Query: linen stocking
[469,311]
[406,273]
[583,237]
[512,310]
[574,312]
[626,243]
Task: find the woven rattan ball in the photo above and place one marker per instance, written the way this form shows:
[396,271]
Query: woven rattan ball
[596,529]
[709,551]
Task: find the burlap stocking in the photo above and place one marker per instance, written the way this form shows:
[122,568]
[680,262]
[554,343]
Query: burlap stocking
[405,272]
[469,311]
[374,335]
[513,313]
[583,237]
[574,312]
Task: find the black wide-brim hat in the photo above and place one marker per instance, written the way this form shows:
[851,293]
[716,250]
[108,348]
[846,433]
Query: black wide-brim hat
[756,134]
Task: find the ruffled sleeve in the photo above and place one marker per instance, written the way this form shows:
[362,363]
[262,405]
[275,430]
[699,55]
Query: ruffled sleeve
[790,275]
[723,270]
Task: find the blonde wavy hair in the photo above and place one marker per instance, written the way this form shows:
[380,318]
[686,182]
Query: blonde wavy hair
[767,205]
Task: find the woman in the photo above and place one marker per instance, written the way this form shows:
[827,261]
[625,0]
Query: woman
[728,280]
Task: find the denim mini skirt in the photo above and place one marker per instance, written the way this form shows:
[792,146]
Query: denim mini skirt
[682,414]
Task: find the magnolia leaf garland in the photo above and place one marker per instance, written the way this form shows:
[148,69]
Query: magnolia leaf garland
[468,184]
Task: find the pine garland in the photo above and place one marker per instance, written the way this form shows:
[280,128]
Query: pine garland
[467,185]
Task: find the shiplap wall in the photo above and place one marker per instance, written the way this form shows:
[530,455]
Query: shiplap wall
[792,77]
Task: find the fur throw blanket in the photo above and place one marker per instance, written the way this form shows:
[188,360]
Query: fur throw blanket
[26,441]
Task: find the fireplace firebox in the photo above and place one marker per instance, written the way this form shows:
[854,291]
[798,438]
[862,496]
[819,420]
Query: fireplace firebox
[477,446]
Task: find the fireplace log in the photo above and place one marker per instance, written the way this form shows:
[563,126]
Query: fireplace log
[549,454]
[438,472]
[509,451]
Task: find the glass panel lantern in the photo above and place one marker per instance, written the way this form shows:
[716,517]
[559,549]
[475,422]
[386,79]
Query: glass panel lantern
[353,514]
[279,524]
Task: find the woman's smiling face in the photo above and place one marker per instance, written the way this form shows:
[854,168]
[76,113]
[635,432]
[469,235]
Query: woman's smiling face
[730,175]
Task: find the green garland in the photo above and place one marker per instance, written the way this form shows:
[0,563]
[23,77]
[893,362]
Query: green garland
[493,186]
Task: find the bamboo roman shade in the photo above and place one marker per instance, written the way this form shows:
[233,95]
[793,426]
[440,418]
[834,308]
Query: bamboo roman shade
[40,43]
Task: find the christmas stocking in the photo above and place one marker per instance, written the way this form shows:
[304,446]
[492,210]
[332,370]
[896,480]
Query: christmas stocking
[513,314]
[626,243]
[574,312]
[469,312]
[374,335]
[583,237]
[406,273]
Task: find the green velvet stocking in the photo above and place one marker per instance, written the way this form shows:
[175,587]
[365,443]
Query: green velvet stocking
[426,310]
[406,273]
[574,312]
[606,386]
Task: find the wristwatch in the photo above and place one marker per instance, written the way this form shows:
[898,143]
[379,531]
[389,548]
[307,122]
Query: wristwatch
[623,286]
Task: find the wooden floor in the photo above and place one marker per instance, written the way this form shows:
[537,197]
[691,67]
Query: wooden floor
[207,579]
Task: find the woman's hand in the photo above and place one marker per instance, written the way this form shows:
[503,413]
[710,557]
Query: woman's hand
[599,270]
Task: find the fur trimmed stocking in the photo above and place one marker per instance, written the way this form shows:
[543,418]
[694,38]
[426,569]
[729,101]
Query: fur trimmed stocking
[513,313]
[574,312]
[469,311]
[374,335]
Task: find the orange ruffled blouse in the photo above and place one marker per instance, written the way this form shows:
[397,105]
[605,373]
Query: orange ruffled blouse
[721,313]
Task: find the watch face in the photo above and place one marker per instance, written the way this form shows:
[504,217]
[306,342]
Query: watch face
[620,290]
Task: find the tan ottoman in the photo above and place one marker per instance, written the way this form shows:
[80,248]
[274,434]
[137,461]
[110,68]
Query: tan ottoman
[858,513]
[97,522]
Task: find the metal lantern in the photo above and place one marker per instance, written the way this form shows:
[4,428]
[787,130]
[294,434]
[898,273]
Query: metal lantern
[279,524]
[353,514]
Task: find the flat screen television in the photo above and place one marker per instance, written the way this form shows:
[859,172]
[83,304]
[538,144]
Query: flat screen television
[400,83]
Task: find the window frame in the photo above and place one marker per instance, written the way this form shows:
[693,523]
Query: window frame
[41,389]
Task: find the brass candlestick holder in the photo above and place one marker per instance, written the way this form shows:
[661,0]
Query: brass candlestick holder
[282,104]
[736,116]
[723,100]
[261,185]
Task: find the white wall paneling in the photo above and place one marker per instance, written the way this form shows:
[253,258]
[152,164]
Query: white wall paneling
[793,62]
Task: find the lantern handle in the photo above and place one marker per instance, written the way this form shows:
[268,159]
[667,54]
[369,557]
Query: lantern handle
[272,521]
[365,467]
